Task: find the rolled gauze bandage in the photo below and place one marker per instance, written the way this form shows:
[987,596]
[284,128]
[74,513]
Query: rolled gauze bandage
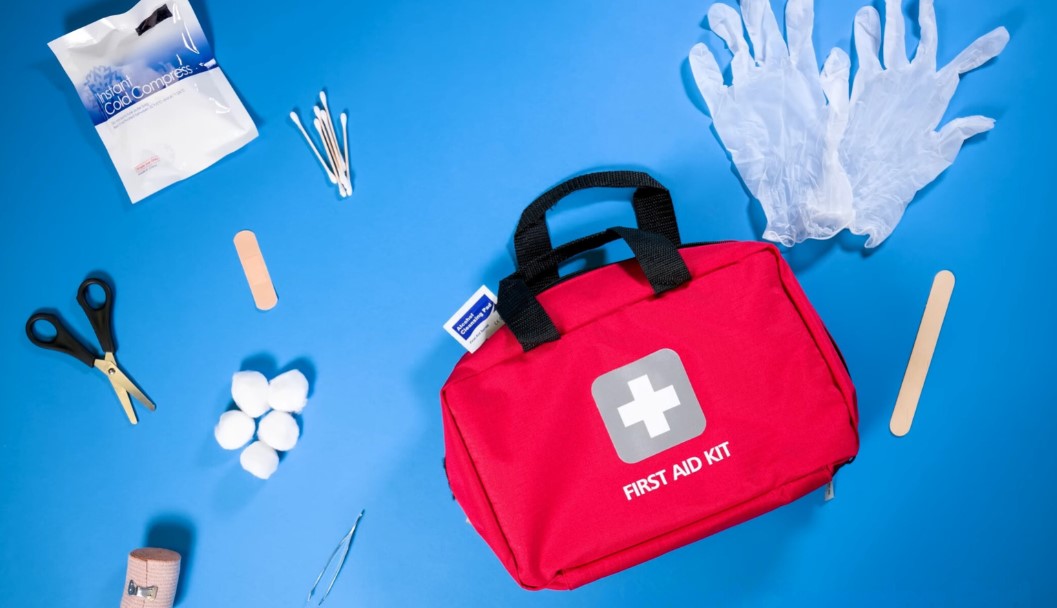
[150,581]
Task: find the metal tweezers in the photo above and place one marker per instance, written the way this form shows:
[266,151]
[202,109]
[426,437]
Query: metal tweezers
[342,548]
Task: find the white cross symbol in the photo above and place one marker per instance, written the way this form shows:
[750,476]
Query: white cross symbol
[648,406]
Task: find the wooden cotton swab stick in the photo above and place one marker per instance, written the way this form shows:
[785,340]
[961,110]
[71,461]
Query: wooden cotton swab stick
[297,121]
[329,148]
[326,113]
[334,139]
[324,133]
[345,140]
[921,356]
[331,145]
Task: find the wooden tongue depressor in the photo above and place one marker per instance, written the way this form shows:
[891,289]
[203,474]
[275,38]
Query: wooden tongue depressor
[256,271]
[921,356]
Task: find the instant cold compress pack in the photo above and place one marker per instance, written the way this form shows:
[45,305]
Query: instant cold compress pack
[154,91]
[634,408]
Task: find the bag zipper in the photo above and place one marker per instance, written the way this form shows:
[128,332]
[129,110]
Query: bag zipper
[573,275]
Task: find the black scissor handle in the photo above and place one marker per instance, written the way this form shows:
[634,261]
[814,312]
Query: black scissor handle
[101,318]
[64,340]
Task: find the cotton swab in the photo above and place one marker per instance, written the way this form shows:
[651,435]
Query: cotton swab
[330,146]
[318,124]
[328,122]
[297,121]
[334,139]
[334,157]
[329,154]
[326,133]
[326,112]
[345,140]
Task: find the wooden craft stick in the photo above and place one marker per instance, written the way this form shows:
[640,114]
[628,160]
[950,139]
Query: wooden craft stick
[921,356]
[256,271]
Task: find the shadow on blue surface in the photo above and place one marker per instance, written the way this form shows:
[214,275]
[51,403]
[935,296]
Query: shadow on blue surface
[267,364]
[176,533]
[236,491]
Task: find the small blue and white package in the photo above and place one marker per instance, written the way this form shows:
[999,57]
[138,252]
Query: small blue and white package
[475,321]
[159,101]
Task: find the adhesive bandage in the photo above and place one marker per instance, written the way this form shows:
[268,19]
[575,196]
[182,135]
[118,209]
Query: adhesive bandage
[253,265]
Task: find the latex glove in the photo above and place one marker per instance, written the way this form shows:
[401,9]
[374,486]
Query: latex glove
[891,149]
[774,118]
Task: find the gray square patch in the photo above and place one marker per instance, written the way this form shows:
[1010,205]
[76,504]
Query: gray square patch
[648,406]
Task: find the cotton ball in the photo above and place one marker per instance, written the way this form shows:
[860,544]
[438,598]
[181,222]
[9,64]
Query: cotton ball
[288,392]
[259,459]
[250,392]
[234,430]
[279,430]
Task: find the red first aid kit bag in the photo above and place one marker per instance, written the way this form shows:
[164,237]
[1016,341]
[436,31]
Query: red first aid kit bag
[631,409]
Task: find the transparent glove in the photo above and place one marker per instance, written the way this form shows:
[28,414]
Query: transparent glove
[891,148]
[774,119]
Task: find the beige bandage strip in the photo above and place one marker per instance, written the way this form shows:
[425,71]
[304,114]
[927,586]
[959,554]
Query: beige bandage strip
[921,356]
[151,579]
[256,271]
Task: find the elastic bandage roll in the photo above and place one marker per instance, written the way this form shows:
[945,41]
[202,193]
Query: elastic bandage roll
[151,578]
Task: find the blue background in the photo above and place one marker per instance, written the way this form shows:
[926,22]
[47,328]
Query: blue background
[460,114]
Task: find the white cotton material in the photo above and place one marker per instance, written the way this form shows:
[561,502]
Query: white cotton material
[234,430]
[279,430]
[249,390]
[151,85]
[780,119]
[288,392]
[259,459]
[892,149]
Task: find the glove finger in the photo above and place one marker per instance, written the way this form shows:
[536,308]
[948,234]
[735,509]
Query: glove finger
[766,38]
[926,53]
[868,40]
[707,75]
[879,221]
[835,77]
[984,49]
[799,26]
[876,238]
[726,23]
[954,134]
[895,48]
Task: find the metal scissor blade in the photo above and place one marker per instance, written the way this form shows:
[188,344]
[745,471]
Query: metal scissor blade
[119,379]
[111,371]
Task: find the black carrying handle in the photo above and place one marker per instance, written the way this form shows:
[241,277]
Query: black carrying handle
[654,212]
[64,340]
[101,318]
[521,311]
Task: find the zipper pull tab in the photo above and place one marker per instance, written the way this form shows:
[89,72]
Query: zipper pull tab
[829,494]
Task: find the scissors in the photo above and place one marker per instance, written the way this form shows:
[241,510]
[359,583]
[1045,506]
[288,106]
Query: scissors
[101,318]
